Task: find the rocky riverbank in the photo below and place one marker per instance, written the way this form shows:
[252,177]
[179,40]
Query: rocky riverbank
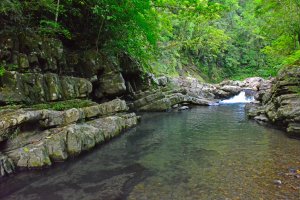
[37,138]
[279,102]
[56,102]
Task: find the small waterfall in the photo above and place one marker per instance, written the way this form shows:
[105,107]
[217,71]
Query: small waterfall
[240,98]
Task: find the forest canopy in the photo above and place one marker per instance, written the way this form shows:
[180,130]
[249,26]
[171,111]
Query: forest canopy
[217,38]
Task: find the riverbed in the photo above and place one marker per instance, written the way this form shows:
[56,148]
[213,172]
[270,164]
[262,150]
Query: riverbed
[203,153]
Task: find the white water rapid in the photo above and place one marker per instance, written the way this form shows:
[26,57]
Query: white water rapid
[240,98]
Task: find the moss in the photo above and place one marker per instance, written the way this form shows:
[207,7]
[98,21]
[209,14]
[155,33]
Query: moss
[10,107]
[64,105]
[294,89]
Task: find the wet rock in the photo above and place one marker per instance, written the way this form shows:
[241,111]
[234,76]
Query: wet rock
[261,118]
[80,138]
[232,90]
[293,128]
[184,108]
[159,105]
[56,145]
[277,182]
[6,165]
[31,156]
[165,98]
[42,148]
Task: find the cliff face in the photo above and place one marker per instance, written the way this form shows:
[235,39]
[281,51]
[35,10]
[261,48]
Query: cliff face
[280,105]
[44,70]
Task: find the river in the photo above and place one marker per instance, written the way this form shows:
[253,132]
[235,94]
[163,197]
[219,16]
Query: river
[204,153]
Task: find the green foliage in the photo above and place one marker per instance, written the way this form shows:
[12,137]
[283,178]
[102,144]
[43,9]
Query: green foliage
[292,59]
[222,40]
[281,28]
[216,38]
[2,70]
[130,26]
[64,105]
[11,67]
[9,6]
[52,28]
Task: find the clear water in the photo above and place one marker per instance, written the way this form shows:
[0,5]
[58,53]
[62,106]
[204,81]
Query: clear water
[204,153]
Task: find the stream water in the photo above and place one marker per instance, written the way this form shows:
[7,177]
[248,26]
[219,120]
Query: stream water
[204,153]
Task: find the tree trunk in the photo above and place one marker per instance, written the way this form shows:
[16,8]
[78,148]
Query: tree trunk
[98,36]
[57,11]
[298,39]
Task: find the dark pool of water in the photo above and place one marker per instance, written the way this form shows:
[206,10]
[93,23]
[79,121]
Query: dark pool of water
[204,153]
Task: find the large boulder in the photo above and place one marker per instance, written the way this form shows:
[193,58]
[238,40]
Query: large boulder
[111,84]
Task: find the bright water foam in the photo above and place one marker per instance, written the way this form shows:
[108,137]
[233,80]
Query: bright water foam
[240,98]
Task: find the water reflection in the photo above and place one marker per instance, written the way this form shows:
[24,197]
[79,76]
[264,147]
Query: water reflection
[205,153]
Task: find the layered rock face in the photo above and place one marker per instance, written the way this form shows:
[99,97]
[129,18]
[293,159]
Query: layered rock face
[40,69]
[280,103]
[36,87]
[38,138]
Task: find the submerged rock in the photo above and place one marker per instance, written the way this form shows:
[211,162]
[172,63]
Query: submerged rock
[184,108]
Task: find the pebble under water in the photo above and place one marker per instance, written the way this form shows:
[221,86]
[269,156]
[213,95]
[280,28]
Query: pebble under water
[205,153]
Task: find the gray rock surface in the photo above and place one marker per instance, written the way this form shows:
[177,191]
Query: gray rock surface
[6,165]
[11,120]
[37,88]
[281,102]
[65,133]
[164,99]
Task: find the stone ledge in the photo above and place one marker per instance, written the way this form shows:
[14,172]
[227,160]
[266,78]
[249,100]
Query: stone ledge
[9,122]
[57,144]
